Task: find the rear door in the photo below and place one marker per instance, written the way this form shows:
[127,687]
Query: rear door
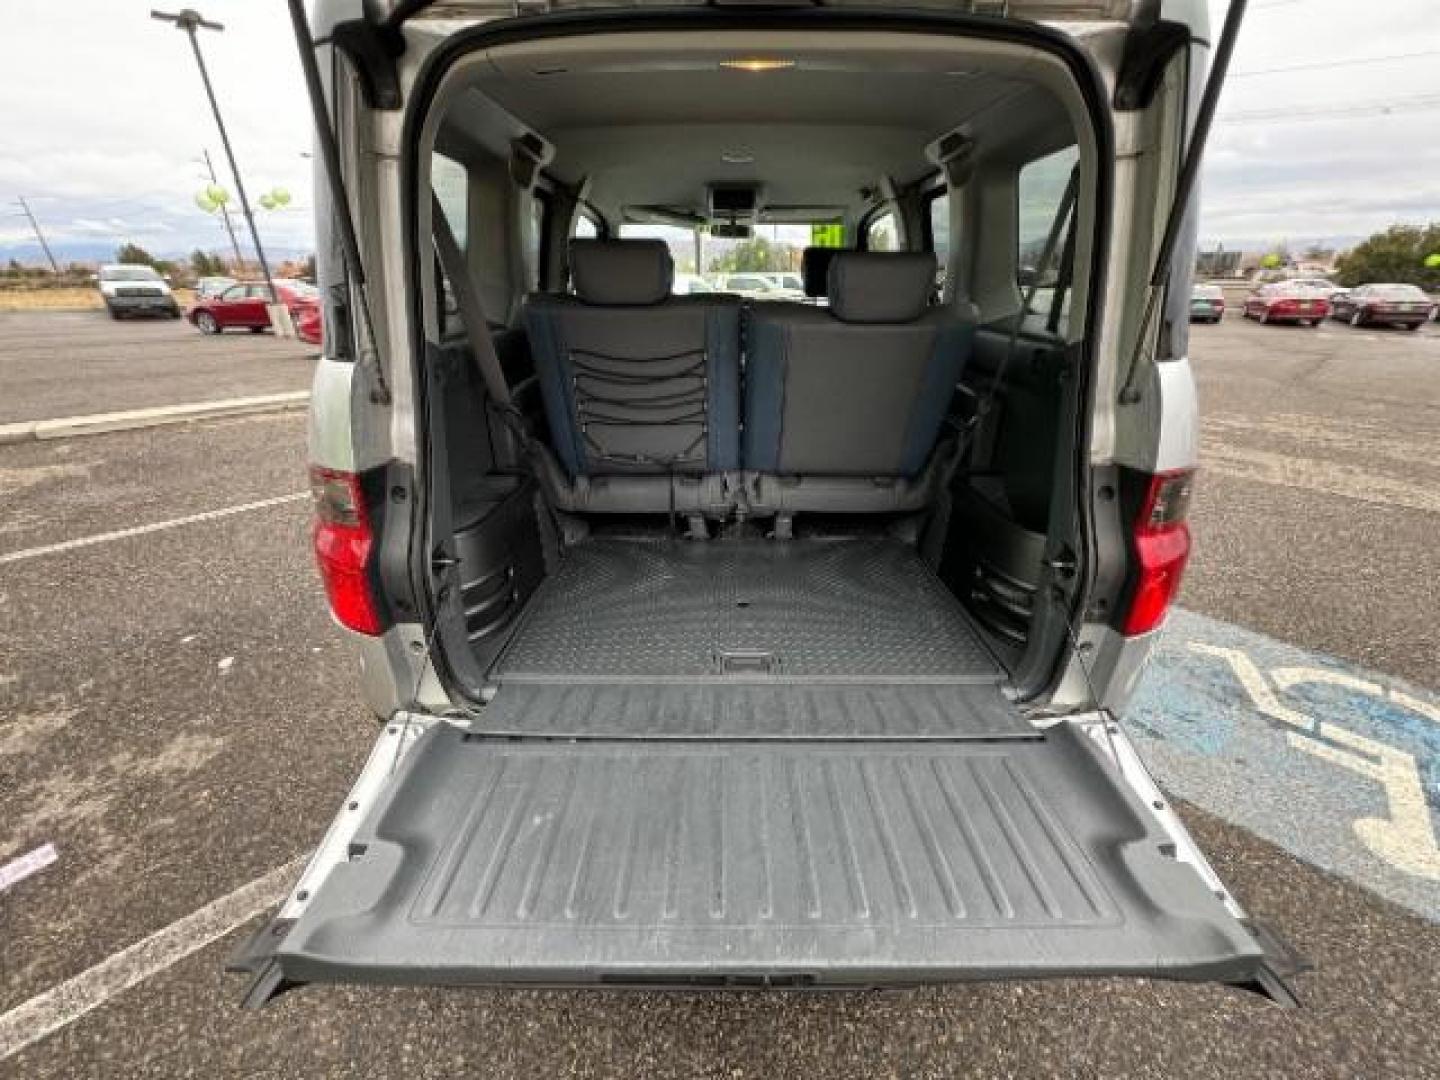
[229,307]
[252,310]
[462,858]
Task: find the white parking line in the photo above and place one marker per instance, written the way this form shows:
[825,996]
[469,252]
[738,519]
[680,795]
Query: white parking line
[141,530]
[62,1005]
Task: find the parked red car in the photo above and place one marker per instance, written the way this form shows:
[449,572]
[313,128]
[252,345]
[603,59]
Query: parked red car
[243,305]
[1286,302]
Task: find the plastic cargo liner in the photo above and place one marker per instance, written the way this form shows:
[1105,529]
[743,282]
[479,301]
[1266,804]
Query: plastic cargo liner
[862,609]
[728,862]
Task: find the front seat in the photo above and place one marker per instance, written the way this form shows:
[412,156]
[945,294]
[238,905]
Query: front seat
[641,388]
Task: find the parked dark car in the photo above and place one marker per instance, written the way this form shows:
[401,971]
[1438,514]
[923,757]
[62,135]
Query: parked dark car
[1207,303]
[1383,305]
[1285,301]
[242,306]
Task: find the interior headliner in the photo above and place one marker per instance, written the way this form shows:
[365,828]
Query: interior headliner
[651,119]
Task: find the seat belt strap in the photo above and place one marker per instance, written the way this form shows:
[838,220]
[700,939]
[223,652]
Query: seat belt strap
[472,310]
[981,423]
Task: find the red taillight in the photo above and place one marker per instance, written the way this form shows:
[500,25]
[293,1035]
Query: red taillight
[1162,545]
[343,542]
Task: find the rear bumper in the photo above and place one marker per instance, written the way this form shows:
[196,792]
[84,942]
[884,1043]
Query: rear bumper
[1408,318]
[165,304]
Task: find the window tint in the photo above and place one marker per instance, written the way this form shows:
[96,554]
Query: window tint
[1039,190]
[452,186]
[881,233]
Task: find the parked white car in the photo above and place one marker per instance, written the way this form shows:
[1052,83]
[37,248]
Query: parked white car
[132,289]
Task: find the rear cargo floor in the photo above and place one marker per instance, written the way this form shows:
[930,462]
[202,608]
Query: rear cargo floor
[827,638]
[852,610]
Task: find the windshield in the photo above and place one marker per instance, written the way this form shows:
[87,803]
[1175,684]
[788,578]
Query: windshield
[128,273]
[1398,292]
[765,265]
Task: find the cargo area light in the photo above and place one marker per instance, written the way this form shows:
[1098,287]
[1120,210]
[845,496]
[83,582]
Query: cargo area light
[757,63]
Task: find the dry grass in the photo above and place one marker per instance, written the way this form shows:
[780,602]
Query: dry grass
[66,298]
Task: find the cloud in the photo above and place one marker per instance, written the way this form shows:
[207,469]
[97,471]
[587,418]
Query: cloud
[105,121]
[1299,175]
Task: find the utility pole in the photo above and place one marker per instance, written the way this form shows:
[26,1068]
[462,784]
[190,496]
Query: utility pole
[225,216]
[191,20]
[54,266]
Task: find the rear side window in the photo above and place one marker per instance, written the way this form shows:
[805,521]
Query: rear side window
[939,213]
[1039,191]
[585,227]
[881,233]
[535,239]
[452,187]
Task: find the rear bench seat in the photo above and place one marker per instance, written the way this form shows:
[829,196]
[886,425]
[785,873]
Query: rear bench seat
[641,389]
[844,404]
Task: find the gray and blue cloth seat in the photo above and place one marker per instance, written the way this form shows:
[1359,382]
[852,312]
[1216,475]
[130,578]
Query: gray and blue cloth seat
[842,406]
[641,388]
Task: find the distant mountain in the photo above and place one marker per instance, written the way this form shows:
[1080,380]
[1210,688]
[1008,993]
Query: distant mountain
[93,251]
[1296,244]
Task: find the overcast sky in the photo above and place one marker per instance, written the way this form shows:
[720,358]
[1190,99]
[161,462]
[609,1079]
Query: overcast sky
[102,114]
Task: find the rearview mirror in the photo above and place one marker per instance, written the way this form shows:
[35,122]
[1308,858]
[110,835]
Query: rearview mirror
[731,230]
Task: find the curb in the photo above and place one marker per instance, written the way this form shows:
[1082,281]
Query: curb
[70,427]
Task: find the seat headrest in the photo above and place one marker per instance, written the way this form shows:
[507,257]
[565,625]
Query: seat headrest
[881,287]
[616,273]
[815,269]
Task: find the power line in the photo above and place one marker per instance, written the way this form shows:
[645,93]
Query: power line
[225,215]
[1419,103]
[1321,65]
[54,266]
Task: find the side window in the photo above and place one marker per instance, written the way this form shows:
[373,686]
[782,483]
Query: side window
[939,213]
[1039,190]
[452,187]
[535,239]
[585,227]
[881,233]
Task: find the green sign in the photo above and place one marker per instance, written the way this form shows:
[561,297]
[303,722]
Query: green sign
[827,234]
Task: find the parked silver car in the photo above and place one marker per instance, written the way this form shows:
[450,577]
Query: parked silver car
[726,644]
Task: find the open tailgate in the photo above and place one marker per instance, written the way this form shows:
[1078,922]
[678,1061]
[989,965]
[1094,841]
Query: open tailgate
[734,863]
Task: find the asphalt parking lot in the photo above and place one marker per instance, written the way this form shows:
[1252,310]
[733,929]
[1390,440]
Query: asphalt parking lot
[70,363]
[179,719]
